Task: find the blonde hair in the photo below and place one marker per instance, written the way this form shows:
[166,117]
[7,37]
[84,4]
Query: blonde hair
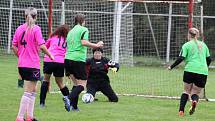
[194,32]
[30,14]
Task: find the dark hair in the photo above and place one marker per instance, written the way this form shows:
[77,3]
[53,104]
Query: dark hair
[97,49]
[61,31]
[79,19]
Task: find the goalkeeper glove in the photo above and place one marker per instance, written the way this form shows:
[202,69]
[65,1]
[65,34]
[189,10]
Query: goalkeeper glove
[111,63]
[114,70]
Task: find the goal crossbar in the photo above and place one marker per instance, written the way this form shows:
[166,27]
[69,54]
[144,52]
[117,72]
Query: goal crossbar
[158,1]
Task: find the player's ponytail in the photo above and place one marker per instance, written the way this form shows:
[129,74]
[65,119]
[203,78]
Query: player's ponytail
[30,14]
[194,33]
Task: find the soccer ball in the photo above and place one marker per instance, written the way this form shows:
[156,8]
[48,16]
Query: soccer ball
[87,98]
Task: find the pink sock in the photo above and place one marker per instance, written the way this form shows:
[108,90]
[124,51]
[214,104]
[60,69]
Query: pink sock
[23,105]
[30,108]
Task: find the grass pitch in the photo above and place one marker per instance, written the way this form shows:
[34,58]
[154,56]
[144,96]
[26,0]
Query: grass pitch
[141,80]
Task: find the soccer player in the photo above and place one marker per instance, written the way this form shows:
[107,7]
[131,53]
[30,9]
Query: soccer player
[26,43]
[56,45]
[97,70]
[77,43]
[197,59]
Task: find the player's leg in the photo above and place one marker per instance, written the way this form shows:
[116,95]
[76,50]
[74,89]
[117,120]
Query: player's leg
[31,87]
[47,70]
[65,91]
[198,85]
[68,72]
[107,90]
[23,104]
[184,98]
[59,74]
[187,78]
[63,88]
[28,99]
[79,73]
[74,95]
[44,89]
[91,88]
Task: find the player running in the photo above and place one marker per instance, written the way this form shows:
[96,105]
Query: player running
[197,59]
[56,45]
[77,43]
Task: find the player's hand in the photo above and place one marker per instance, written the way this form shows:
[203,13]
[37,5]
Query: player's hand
[169,67]
[51,57]
[111,63]
[114,70]
[100,44]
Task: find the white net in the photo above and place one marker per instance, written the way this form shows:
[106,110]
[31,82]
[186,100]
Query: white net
[142,36]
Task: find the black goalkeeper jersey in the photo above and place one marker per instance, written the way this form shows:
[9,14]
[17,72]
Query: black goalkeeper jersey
[97,70]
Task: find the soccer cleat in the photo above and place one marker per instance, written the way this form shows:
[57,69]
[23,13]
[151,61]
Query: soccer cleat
[77,109]
[42,105]
[67,103]
[34,119]
[181,113]
[192,108]
[18,119]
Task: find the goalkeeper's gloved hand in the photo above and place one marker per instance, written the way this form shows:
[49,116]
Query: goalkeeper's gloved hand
[111,63]
[114,70]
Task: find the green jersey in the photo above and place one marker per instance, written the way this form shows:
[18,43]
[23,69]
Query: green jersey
[195,53]
[75,50]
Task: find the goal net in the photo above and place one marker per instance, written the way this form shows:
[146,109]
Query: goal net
[143,36]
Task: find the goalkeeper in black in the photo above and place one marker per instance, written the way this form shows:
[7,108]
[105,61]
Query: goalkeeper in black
[97,79]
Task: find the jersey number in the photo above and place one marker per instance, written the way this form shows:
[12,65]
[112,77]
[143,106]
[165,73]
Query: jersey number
[63,45]
[23,42]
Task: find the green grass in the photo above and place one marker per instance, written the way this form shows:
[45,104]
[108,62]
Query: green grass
[141,80]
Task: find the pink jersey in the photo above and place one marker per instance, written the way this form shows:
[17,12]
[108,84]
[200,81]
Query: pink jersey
[57,47]
[28,43]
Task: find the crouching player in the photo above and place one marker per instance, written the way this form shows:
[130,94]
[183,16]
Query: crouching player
[56,44]
[97,70]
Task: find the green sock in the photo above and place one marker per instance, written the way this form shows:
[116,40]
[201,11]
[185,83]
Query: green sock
[20,83]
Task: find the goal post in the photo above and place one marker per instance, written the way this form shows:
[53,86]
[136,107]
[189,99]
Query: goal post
[62,12]
[9,31]
[50,18]
[116,31]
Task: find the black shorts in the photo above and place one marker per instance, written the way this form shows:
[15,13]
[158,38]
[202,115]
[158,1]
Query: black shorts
[77,68]
[198,79]
[56,68]
[29,74]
